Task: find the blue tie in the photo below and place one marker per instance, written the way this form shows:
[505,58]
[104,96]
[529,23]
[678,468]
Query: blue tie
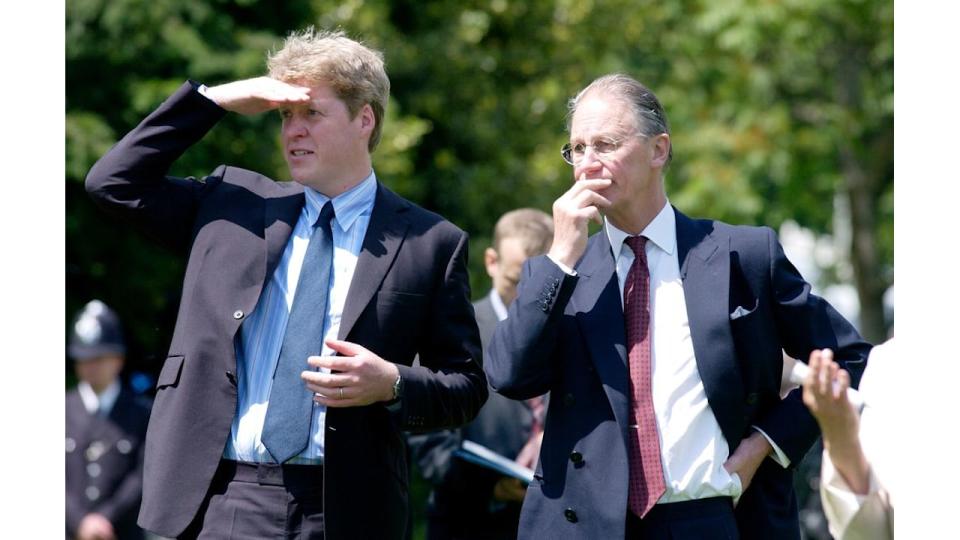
[286,428]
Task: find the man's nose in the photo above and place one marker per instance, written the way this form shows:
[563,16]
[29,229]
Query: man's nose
[589,163]
[294,127]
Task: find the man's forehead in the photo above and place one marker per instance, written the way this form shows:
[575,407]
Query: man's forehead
[601,113]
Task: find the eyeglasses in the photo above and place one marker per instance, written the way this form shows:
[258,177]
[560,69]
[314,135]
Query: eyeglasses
[603,147]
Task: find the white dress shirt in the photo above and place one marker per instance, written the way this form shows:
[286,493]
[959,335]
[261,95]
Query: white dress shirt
[499,308]
[261,335]
[101,403]
[692,446]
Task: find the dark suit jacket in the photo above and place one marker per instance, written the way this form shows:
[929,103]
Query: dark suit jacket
[566,334]
[461,504]
[104,468]
[410,294]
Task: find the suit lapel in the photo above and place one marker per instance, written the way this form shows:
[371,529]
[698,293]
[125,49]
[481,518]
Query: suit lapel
[385,234]
[705,271]
[599,313]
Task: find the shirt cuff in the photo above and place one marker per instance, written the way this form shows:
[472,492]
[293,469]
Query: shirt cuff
[566,269]
[778,454]
[202,90]
[841,505]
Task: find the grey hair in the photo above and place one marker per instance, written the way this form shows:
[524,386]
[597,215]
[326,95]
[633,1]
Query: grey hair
[651,118]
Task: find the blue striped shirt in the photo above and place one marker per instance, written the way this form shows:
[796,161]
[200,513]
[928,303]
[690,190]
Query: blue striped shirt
[261,335]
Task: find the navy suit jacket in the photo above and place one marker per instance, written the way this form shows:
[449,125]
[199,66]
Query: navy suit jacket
[565,334]
[410,295]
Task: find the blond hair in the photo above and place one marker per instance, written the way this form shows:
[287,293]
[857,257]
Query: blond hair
[534,229]
[353,71]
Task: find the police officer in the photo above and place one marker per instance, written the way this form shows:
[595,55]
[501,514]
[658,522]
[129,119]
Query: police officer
[105,426]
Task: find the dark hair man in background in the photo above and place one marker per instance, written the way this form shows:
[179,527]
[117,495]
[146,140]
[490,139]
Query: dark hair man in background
[469,501]
[280,408]
[106,423]
[659,339]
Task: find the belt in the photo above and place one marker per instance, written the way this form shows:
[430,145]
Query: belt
[271,474]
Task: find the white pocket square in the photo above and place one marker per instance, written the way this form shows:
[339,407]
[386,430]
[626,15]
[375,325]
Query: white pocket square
[739,312]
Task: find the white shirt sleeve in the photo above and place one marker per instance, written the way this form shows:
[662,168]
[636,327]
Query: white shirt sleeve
[778,454]
[566,269]
[850,515]
[202,90]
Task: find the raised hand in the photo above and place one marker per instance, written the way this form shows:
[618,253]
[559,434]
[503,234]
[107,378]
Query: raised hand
[825,394]
[254,96]
[571,214]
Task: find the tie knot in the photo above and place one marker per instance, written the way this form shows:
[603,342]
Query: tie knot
[637,244]
[326,214]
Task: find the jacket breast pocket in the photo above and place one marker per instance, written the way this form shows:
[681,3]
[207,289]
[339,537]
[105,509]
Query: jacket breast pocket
[400,298]
[742,311]
[399,318]
[170,374]
[400,310]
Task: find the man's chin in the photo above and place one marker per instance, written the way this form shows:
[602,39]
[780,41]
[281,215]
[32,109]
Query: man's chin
[311,182]
[301,178]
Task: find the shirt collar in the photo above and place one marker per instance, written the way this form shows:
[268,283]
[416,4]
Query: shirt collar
[662,231]
[94,402]
[499,308]
[347,206]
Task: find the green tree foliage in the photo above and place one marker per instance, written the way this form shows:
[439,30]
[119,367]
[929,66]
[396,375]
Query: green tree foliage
[778,110]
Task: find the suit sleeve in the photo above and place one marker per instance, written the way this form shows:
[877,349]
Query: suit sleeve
[448,388]
[130,180]
[519,362]
[805,322]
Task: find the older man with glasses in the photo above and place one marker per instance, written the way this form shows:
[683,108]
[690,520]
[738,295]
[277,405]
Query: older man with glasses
[660,341]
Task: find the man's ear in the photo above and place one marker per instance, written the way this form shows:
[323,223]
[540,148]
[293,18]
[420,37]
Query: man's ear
[367,118]
[491,261]
[661,150]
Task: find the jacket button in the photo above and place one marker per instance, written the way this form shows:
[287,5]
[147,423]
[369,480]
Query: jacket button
[570,515]
[238,314]
[752,398]
[124,446]
[576,457]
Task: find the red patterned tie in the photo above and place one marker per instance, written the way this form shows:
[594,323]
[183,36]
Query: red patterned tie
[646,472]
